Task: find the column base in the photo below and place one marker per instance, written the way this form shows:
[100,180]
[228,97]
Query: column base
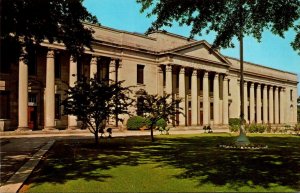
[50,128]
[23,129]
[73,128]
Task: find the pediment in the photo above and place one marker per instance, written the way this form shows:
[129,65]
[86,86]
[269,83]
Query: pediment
[201,50]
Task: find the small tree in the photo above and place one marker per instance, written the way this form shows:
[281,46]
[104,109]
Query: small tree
[93,102]
[156,107]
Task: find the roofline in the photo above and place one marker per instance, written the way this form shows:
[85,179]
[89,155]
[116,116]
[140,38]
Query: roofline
[120,31]
[173,34]
[260,65]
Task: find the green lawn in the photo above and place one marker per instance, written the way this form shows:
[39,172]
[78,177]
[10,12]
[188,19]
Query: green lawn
[175,163]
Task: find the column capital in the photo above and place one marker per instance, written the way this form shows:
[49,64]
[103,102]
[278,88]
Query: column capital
[168,68]
[94,60]
[216,75]
[112,62]
[271,87]
[245,83]
[276,88]
[182,70]
[226,78]
[259,85]
[50,53]
[251,84]
[120,63]
[206,74]
[72,58]
[195,72]
[282,89]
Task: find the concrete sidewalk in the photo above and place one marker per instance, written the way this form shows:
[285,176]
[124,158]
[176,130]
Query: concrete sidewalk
[22,151]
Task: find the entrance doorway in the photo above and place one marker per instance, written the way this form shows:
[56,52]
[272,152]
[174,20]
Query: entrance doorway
[32,117]
[32,111]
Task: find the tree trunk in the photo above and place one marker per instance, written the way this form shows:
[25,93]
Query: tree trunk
[96,138]
[152,136]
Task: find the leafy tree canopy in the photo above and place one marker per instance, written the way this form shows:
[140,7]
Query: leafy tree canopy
[93,101]
[30,22]
[224,17]
[155,107]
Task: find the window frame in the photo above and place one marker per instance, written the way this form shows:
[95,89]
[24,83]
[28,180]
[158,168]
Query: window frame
[140,78]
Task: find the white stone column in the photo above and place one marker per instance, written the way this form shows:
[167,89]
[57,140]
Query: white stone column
[246,102]
[276,106]
[194,94]
[23,95]
[160,79]
[50,92]
[206,104]
[112,70]
[216,99]
[271,102]
[225,100]
[182,96]
[72,120]
[93,67]
[252,107]
[258,104]
[282,105]
[265,104]
[169,79]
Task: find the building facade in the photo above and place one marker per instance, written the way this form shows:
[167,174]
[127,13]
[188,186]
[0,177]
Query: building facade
[160,62]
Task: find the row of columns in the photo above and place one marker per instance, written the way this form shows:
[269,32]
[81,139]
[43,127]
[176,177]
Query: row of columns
[267,108]
[49,97]
[194,96]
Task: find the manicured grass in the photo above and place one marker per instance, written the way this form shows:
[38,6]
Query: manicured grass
[175,163]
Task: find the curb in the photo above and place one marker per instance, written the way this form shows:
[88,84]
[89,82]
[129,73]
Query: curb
[16,181]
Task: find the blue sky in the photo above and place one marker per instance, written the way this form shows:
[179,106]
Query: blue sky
[273,51]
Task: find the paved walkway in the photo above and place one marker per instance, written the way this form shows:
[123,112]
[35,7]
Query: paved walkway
[27,148]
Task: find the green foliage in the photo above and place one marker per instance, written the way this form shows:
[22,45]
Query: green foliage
[136,122]
[234,121]
[227,18]
[30,22]
[234,128]
[256,128]
[93,101]
[234,124]
[158,107]
[161,123]
[297,129]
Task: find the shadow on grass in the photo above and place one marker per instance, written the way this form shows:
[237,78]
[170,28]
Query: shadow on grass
[198,156]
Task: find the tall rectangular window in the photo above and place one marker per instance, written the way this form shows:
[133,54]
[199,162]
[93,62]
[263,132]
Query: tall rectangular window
[140,74]
[57,106]
[291,94]
[32,63]
[57,65]
[4,105]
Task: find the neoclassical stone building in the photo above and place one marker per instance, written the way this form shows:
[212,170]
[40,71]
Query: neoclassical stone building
[160,63]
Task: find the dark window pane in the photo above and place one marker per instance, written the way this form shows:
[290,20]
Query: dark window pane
[4,105]
[140,74]
[57,106]
[57,62]
[32,63]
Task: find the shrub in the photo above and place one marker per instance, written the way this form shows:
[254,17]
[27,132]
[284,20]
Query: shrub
[161,123]
[297,129]
[135,122]
[234,122]
[234,128]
